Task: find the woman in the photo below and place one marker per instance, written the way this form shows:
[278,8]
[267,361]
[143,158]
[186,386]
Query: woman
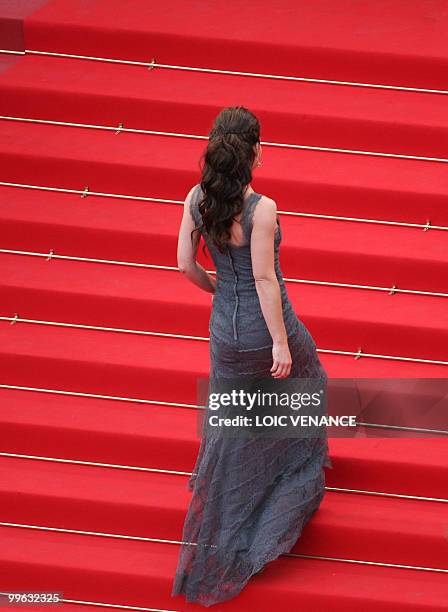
[251,496]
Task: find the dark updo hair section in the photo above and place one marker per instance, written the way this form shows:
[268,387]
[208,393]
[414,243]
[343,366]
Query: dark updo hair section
[227,170]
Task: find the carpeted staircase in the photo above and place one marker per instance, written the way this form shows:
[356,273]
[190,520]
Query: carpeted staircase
[104,111]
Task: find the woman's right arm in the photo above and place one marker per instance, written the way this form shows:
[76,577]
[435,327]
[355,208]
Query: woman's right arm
[266,282]
[187,247]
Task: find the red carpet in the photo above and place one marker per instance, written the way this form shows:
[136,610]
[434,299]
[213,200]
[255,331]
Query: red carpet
[100,437]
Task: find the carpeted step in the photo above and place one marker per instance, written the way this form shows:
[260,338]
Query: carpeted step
[309,114]
[117,571]
[162,167]
[135,366]
[403,466]
[78,607]
[124,297]
[155,436]
[146,232]
[108,363]
[164,437]
[322,39]
[153,505]
[140,573]
[12,16]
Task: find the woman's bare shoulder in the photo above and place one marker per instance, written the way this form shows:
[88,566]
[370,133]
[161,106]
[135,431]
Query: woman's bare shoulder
[266,209]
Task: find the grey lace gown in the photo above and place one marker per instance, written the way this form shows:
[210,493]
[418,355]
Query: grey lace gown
[251,496]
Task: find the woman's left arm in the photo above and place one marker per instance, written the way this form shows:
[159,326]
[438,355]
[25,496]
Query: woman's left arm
[187,247]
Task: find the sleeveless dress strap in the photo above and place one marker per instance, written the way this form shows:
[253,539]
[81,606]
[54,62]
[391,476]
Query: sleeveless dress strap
[247,214]
[194,202]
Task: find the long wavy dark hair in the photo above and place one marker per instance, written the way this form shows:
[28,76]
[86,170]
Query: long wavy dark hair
[227,170]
